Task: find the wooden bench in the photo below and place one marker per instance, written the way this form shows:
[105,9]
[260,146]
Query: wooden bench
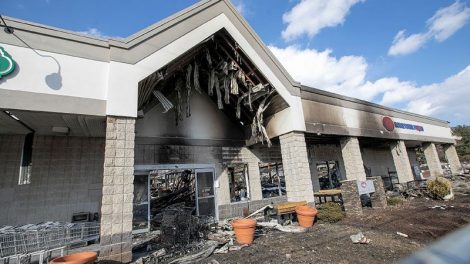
[329,193]
[282,210]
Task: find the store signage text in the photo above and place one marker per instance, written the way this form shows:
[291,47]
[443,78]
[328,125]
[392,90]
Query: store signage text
[390,125]
[7,64]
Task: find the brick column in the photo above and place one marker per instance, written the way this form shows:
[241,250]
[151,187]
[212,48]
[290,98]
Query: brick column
[118,188]
[296,168]
[352,159]
[401,161]
[351,199]
[452,158]
[432,159]
[378,198]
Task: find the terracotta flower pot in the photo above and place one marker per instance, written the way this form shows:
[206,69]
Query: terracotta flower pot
[87,257]
[244,230]
[305,215]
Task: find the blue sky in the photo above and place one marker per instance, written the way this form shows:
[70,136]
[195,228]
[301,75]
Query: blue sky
[413,55]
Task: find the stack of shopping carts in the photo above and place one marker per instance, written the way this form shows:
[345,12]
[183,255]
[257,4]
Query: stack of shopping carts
[42,239]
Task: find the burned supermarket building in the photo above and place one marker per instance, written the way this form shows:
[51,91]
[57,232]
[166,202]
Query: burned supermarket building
[193,111]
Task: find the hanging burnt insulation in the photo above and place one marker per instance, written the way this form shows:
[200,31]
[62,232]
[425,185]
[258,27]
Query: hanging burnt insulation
[178,109]
[167,105]
[147,86]
[237,55]
[219,62]
[250,91]
[211,82]
[257,128]
[223,66]
[218,92]
[234,83]
[241,77]
[239,103]
[196,83]
[226,83]
[189,70]
[208,57]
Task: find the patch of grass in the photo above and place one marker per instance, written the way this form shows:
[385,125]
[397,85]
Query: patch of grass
[439,187]
[330,212]
[394,201]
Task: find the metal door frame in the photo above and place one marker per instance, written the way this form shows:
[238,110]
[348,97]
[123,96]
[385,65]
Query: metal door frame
[212,170]
[146,230]
[147,168]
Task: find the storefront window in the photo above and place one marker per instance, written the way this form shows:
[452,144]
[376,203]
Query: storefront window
[26,160]
[329,174]
[238,182]
[273,182]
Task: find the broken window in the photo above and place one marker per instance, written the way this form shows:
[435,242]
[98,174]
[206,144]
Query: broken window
[26,160]
[329,174]
[141,215]
[238,182]
[273,181]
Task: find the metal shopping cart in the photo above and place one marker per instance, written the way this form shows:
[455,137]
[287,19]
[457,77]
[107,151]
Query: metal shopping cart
[19,243]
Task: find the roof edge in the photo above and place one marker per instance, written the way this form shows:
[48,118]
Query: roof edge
[367,103]
[26,25]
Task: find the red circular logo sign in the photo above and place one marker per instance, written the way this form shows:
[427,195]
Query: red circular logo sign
[388,123]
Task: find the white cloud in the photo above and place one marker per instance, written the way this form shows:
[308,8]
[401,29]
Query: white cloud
[405,45]
[443,24]
[346,75]
[320,69]
[310,16]
[240,6]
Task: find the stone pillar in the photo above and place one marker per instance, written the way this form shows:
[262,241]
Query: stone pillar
[352,159]
[296,168]
[452,158]
[118,188]
[378,198]
[351,199]
[401,161]
[432,159]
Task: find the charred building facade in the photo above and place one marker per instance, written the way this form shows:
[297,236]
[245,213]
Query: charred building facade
[195,112]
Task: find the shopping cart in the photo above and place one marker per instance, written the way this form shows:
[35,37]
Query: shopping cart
[17,243]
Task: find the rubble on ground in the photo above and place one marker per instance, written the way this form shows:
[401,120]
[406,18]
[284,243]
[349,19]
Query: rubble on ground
[183,241]
[416,189]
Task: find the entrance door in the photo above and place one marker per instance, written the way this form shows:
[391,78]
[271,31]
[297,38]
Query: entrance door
[205,196]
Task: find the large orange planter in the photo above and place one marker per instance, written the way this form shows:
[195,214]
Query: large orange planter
[87,257]
[305,215]
[244,230]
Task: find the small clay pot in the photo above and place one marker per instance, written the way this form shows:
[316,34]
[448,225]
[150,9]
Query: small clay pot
[87,257]
[305,215]
[244,230]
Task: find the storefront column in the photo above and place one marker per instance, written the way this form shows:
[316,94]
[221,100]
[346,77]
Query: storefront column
[296,167]
[118,188]
[352,159]
[401,161]
[432,159]
[452,158]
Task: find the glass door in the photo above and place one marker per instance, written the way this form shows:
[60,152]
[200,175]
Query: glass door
[205,196]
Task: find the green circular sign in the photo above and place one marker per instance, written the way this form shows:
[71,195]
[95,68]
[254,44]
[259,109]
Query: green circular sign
[7,64]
